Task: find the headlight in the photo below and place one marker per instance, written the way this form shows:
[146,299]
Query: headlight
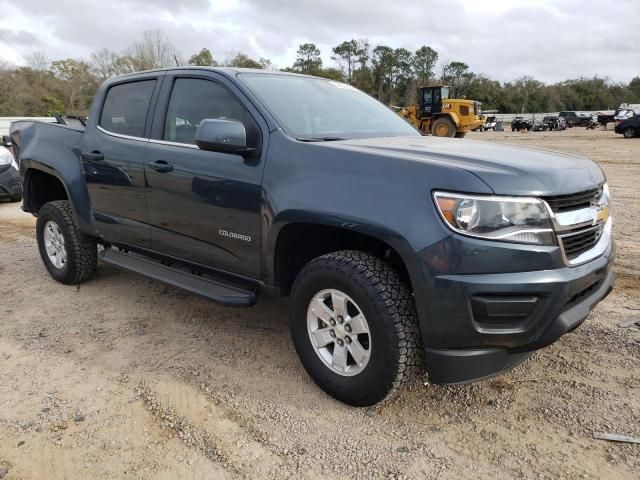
[5,157]
[506,219]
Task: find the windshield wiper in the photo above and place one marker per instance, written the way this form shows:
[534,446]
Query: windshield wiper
[319,139]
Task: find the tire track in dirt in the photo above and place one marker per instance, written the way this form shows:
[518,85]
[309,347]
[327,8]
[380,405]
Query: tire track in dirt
[225,438]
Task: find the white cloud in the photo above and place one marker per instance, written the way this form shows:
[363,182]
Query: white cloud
[546,39]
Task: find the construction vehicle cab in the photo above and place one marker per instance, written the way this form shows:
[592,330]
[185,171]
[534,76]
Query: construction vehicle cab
[442,116]
[431,100]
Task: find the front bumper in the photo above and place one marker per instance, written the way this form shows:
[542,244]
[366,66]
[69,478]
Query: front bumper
[10,184]
[475,325]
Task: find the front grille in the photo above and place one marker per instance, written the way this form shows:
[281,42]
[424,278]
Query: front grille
[574,201]
[578,242]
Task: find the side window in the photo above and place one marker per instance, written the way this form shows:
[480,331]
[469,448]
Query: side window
[125,108]
[195,99]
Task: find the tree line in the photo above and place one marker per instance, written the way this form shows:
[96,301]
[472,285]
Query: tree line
[392,75]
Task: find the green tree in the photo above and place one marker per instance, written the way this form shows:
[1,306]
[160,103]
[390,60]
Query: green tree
[308,59]
[348,55]
[454,74]
[383,61]
[241,60]
[330,73]
[634,87]
[80,84]
[203,58]
[424,64]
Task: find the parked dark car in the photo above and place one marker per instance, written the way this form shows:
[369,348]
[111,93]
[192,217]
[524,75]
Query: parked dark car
[629,128]
[520,123]
[575,119]
[554,122]
[10,184]
[396,250]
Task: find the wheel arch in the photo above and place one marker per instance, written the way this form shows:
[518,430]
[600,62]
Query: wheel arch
[295,241]
[450,115]
[43,183]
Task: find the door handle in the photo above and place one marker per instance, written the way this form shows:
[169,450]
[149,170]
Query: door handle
[94,156]
[160,166]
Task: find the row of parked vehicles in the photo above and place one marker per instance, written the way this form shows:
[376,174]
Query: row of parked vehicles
[626,118]
[519,124]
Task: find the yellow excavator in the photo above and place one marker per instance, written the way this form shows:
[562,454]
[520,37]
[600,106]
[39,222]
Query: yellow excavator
[442,116]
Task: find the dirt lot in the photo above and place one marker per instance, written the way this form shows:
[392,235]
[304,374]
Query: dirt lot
[124,377]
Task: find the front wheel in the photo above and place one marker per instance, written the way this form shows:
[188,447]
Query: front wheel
[69,256]
[629,132]
[354,325]
[443,127]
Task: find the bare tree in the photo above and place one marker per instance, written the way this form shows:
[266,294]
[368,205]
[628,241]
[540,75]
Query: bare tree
[38,61]
[103,63]
[153,51]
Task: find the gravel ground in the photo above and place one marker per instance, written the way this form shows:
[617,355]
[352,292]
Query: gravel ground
[124,377]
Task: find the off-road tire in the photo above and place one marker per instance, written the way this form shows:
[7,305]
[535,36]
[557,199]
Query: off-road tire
[82,251]
[389,308]
[451,127]
[629,132]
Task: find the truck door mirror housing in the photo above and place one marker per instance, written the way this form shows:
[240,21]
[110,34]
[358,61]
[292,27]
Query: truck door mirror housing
[226,136]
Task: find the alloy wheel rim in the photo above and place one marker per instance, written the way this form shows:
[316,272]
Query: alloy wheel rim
[339,332]
[54,245]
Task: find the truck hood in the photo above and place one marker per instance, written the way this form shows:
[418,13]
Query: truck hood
[506,169]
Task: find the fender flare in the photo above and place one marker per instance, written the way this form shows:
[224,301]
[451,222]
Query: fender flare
[381,233]
[77,193]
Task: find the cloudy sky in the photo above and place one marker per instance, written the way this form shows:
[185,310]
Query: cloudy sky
[548,39]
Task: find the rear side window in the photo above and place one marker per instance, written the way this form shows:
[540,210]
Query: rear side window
[125,108]
[195,99]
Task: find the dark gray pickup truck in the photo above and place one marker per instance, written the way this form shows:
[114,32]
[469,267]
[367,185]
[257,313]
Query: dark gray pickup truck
[396,250]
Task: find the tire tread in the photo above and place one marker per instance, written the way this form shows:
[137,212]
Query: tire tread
[388,293]
[81,250]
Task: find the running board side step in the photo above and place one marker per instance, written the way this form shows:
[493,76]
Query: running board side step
[216,290]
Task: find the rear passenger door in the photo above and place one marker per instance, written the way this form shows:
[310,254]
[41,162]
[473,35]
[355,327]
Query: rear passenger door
[113,155]
[204,206]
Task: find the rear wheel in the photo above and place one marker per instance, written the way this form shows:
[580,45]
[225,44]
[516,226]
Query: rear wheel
[69,256]
[354,325]
[629,132]
[443,127]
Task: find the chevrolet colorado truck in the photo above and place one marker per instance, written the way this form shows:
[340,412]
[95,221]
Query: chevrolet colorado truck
[397,251]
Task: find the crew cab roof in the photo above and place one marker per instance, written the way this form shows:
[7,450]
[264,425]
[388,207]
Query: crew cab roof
[229,71]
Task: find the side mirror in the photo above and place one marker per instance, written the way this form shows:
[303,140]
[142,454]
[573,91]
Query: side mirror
[6,141]
[226,136]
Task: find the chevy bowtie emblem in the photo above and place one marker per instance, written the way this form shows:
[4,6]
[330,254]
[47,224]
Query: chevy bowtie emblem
[602,214]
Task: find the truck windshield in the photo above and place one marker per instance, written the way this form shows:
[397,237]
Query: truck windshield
[318,109]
